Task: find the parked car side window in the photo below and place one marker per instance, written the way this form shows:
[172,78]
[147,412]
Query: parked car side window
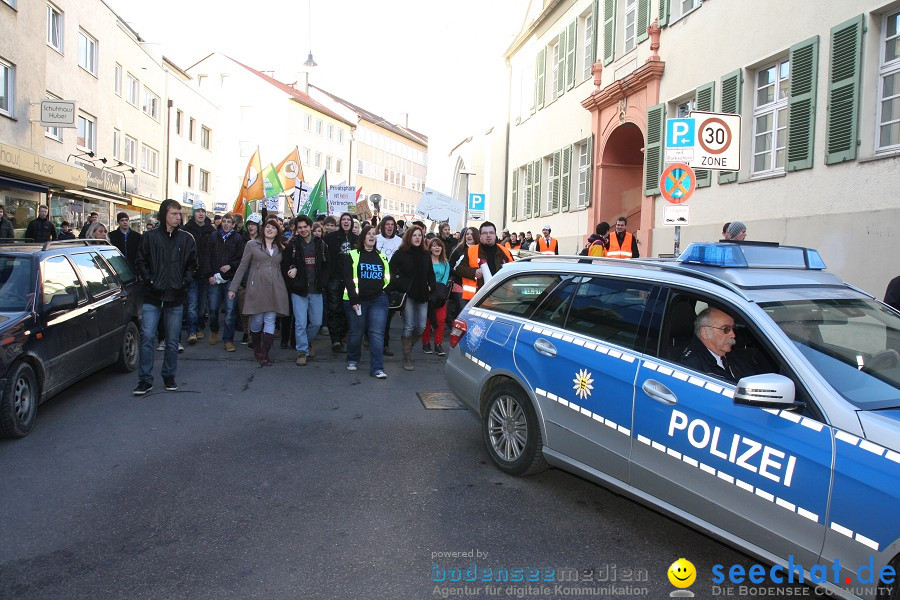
[96,274]
[16,283]
[59,278]
[610,310]
[520,295]
[120,264]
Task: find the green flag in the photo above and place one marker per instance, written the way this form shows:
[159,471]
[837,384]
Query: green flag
[271,182]
[316,203]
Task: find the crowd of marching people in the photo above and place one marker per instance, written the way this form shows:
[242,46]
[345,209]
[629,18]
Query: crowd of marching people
[333,278]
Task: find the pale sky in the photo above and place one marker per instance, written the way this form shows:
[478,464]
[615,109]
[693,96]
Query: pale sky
[440,62]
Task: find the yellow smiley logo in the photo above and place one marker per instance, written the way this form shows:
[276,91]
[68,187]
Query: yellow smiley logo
[682,573]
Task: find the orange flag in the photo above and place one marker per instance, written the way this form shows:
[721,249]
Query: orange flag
[290,174]
[252,187]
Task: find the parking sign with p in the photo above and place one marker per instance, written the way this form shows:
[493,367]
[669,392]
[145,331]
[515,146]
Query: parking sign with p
[680,133]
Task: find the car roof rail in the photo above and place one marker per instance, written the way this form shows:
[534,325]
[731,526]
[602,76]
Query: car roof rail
[663,264]
[76,242]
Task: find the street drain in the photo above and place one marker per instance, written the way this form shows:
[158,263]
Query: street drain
[440,401]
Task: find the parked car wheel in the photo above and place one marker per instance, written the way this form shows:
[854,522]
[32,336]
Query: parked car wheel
[129,354]
[18,407]
[511,432]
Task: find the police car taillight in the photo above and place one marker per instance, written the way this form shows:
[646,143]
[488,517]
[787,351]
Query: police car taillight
[456,333]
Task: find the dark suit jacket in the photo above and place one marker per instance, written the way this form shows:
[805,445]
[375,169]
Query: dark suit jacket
[129,249]
[697,357]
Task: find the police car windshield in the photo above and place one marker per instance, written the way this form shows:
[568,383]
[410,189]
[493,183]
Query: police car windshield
[854,344]
[16,284]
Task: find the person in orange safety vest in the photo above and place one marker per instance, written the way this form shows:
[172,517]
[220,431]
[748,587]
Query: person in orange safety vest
[547,244]
[486,252]
[622,244]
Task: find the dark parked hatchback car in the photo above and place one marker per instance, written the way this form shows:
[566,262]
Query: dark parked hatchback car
[67,309]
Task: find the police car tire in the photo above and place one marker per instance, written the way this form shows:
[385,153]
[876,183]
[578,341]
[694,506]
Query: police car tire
[531,459]
[21,385]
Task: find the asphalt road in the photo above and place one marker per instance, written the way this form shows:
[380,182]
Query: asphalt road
[309,482]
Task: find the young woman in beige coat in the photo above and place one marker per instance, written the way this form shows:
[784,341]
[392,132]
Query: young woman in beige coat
[266,297]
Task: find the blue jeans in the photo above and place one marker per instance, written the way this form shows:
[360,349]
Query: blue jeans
[372,320]
[414,316]
[196,304]
[218,293]
[150,316]
[264,322]
[307,319]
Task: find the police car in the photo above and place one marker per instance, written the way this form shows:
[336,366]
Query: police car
[582,363]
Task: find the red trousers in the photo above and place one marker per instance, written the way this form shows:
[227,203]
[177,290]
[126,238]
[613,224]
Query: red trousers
[440,315]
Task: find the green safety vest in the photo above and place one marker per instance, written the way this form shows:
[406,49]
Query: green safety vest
[354,259]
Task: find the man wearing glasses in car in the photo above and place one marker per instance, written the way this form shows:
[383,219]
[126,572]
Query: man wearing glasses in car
[714,338]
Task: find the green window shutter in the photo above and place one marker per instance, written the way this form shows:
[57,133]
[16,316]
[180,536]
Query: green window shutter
[565,179]
[653,156]
[804,59]
[540,67]
[536,193]
[663,13]
[560,82]
[515,194]
[609,31]
[842,123]
[555,182]
[643,20]
[732,85]
[590,177]
[570,55]
[704,100]
[529,183]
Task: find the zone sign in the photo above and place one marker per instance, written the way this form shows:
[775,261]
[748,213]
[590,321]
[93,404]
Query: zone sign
[706,140]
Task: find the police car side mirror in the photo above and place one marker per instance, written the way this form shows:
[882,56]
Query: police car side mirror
[769,390]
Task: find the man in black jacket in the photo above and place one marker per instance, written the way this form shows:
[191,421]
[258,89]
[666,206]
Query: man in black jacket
[127,241]
[338,243]
[199,226]
[219,259]
[92,218]
[41,229]
[166,262]
[7,232]
[303,266]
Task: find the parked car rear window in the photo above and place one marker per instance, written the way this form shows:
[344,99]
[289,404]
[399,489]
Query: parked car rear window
[120,264]
[16,283]
[59,278]
[96,274]
[609,310]
[520,295]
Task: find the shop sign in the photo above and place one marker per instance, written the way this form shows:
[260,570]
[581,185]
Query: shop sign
[21,162]
[105,180]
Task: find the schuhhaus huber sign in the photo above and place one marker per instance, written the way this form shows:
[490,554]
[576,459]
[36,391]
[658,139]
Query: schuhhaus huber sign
[58,113]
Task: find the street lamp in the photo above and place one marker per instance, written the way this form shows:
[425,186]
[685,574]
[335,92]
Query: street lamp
[309,61]
[466,199]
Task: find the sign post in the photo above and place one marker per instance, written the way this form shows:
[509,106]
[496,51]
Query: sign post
[676,185]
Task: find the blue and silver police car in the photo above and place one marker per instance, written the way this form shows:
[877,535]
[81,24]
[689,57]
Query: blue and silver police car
[787,446]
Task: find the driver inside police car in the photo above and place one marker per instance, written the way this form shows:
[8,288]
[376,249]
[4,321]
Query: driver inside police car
[714,338]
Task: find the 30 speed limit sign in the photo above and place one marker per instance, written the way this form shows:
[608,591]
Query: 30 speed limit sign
[718,141]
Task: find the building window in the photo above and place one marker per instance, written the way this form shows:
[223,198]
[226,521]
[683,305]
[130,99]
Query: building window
[190,176]
[192,127]
[149,160]
[87,52]
[177,169]
[889,85]
[630,25]
[204,181]
[132,89]
[179,122]
[318,126]
[584,174]
[588,44]
[54,133]
[204,137]
[683,109]
[359,167]
[55,28]
[117,144]
[318,162]
[770,117]
[339,166]
[306,155]
[552,179]
[340,135]
[130,156]
[87,132]
[330,130]
[151,103]
[554,68]
[307,123]
[117,80]
[327,163]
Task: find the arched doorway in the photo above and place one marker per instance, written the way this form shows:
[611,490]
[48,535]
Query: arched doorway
[621,183]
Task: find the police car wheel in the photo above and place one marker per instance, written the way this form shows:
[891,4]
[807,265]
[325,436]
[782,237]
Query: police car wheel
[511,432]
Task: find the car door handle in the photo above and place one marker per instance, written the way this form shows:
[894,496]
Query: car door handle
[544,347]
[659,392]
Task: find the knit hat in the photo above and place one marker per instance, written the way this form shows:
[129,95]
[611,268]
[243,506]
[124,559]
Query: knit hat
[121,216]
[735,229]
[199,205]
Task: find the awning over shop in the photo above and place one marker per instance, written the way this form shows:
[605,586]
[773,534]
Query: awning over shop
[22,185]
[144,202]
[97,195]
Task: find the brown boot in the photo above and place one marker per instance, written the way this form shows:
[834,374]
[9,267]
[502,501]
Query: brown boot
[267,340]
[255,343]
[407,353]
